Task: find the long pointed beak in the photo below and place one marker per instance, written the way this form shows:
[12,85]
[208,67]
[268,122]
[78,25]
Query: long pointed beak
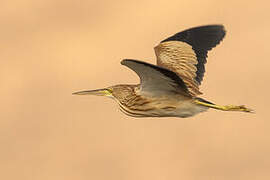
[97,92]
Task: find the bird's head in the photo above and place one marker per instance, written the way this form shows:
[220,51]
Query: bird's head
[117,91]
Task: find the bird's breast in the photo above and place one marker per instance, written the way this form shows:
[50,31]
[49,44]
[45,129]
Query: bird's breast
[162,107]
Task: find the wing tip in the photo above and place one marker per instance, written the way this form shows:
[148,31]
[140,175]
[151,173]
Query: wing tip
[123,61]
[219,30]
[126,61]
[215,26]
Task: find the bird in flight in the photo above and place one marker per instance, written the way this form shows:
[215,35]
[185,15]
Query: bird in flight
[170,88]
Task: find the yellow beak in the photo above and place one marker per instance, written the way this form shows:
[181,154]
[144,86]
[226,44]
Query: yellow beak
[97,92]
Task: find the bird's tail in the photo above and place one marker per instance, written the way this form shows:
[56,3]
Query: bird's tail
[240,108]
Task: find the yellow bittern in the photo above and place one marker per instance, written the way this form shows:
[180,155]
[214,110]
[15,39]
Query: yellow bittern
[170,88]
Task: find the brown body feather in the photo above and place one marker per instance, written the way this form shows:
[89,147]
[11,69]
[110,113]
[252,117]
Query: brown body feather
[132,103]
[181,59]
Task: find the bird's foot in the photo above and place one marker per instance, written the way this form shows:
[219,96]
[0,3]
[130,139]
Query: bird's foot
[235,108]
[241,108]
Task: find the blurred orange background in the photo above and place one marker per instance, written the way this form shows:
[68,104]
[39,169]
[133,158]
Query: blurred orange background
[52,48]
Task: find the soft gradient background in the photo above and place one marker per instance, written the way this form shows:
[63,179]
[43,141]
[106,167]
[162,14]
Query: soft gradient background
[52,48]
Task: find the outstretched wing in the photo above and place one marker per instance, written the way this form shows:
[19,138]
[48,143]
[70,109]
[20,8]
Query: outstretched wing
[185,53]
[156,80]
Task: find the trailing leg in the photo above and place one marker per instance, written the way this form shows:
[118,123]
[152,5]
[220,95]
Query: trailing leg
[241,108]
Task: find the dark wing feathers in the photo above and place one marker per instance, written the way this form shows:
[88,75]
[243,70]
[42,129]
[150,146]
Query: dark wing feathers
[202,39]
[156,79]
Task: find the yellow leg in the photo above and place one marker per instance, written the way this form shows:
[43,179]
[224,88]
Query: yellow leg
[241,108]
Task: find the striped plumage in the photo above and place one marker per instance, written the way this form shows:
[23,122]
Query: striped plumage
[134,104]
[170,88]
